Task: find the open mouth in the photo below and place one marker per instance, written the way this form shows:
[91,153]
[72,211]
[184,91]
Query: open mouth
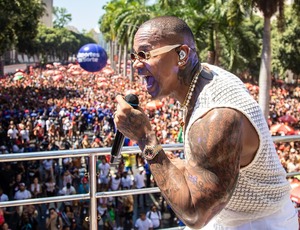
[150,81]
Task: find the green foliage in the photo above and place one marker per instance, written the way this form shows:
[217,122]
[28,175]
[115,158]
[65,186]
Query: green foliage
[242,46]
[62,18]
[286,44]
[59,42]
[227,28]
[19,22]
[122,19]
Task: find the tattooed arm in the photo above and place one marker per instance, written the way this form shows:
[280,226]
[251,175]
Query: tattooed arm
[204,183]
[200,187]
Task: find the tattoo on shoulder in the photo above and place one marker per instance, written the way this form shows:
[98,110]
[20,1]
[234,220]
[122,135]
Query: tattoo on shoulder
[215,143]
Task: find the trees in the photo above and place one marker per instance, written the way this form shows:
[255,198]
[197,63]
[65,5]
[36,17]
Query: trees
[286,52]
[135,13]
[119,24]
[227,33]
[58,42]
[107,26]
[62,18]
[221,34]
[268,9]
[19,22]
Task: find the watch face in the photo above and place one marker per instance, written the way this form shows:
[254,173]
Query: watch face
[149,153]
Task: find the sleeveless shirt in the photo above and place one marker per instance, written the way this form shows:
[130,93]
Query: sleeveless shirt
[262,187]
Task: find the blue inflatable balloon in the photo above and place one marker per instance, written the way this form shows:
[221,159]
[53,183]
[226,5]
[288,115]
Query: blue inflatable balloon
[92,57]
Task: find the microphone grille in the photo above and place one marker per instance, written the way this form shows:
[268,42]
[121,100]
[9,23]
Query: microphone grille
[132,100]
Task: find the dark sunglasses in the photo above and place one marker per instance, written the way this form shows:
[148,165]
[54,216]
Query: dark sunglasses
[143,56]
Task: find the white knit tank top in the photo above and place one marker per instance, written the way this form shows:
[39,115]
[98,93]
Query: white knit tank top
[262,187]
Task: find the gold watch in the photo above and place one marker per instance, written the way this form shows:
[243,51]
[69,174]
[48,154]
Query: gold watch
[151,151]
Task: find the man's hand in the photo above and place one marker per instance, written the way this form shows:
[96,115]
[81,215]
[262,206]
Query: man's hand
[133,123]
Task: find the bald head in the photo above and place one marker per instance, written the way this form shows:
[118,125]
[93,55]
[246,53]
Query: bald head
[170,30]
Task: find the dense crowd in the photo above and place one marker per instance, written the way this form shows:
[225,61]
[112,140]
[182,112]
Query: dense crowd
[65,107]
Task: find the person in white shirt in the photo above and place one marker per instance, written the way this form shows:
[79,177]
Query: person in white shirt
[139,180]
[67,125]
[126,181]
[68,190]
[115,181]
[115,184]
[143,223]
[12,132]
[231,177]
[62,112]
[48,123]
[67,178]
[36,188]
[3,197]
[41,122]
[22,193]
[104,169]
[155,216]
[24,132]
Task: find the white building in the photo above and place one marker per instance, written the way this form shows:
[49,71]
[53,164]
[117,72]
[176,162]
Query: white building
[47,19]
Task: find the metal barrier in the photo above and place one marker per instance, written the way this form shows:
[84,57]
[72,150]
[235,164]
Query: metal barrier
[92,154]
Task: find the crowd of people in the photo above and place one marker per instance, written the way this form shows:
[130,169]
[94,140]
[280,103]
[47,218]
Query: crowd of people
[64,107]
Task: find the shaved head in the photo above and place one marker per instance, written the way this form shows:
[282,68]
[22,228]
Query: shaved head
[171,30]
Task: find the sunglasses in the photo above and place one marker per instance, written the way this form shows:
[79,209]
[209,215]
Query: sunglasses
[142,55]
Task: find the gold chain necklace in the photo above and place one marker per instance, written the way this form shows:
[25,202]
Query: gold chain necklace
[188,97]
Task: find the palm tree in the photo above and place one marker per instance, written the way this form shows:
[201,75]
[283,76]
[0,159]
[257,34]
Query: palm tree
[127,23]
[222,31]
[121,21]
[268,9]
[62,18]
[107,26]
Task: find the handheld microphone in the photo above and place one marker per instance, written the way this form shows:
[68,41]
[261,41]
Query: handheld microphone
[132,100]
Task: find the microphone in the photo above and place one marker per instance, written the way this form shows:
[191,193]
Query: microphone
[132,100]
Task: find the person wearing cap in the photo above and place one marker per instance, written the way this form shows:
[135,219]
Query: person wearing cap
[22,193]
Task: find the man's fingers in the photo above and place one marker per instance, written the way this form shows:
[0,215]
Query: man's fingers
[121,102]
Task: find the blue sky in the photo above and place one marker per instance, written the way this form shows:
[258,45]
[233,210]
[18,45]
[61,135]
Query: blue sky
[85,13]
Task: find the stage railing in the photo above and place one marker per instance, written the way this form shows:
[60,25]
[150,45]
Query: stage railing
[93,195]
